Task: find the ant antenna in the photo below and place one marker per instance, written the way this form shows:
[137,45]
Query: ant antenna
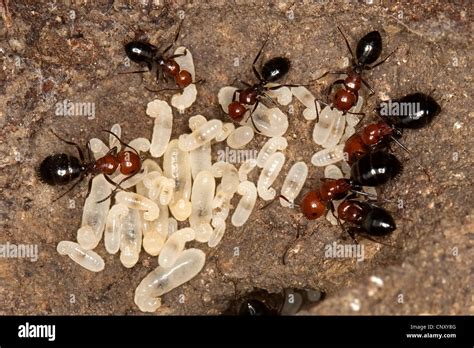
[396,141]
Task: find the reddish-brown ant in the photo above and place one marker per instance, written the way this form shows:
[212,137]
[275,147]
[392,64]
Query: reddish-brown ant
[63,169]
[148,54]
[368,51]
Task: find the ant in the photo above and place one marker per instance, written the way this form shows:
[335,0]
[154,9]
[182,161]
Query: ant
[148,54]
[272,71]
[368,51]
[63,169]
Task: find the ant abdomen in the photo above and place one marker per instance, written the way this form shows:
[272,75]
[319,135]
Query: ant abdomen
[369,48]
[140,52]
[60,169]
[378,222]
[375,168]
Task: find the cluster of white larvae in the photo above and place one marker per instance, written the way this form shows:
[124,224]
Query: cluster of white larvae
[190,189]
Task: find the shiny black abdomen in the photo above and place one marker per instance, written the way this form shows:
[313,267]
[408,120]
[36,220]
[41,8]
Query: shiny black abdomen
[60,169]
[275,69]
[375,168]
[378,221]
[416,111]
[140,52]
[369,48]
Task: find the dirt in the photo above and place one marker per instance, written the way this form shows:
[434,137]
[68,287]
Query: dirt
[50,54]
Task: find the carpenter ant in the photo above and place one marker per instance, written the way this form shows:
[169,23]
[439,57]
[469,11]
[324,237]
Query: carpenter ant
[272,71]
[63,169]
[368,51]
[148,54]
[375,168]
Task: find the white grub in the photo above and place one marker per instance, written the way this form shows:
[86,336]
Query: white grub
[112,227]
[294,182]
[324,127]
[269,148]
[140,144]
[135,201]
[201,157]
[201,201]
[113,141]
[268,175]
[230,176]
[240,137]
[220,207]
[131,238]
[333,172]
[203,134]
[98,148]
[88,259]
[216,235]
[174,246]
[176,165]
[154,232]
[182,101]
[347,133]
[172,226]
[328,156]
[270,122]
[227,128]
[225,96]
[283,94]
[94,214]
[308,100]
[335,131]
[185,62]
[352,120]
[162,280]
[160,187]
[150,165]
[246,168]
[248,191]
[163,115]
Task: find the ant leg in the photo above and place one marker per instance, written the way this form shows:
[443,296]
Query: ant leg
[340,72]
[175,39]
[372,92]
[117,186]
[257,74]
[251,116]
[70,189]
[120,141]
[81,154]
[178,55]
[234,96]
[347,44]
[339,223]
[134,72]
[382,61]
[270,99]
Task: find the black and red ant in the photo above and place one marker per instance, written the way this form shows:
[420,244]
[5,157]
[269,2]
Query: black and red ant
[63,169]
[148,54]
[368,51]
[272,71]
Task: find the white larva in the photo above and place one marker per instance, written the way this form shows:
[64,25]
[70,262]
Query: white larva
[269,148]
[162,280]
[135,201]
[201,201]
[112,227]
[240,137]
[322,129]
[347,133]
[201,157]
[216,235]
[163,115]
[94,215]
[283,94]
[88,259]
[98,148]
[220,207]
[268,175]
[248,191]
[160,187]
[113,141]
[294,182]
[131,238]
[336,130]
[172,226]
[227,128]
[328,156]
[308,100]
[182,101]
[176,166]
[174,246]
[270,122]
[140,144]
[332,172]
[203,134]
[230,176]
[186,61]
[225,96]
[246,168]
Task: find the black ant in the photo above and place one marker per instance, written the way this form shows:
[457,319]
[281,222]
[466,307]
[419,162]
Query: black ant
[63,169]
[148,54]
[368,51]
[273,70]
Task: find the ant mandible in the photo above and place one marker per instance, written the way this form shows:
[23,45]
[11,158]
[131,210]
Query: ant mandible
[148,54]
[63,169]
[272,71]
[368,51]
